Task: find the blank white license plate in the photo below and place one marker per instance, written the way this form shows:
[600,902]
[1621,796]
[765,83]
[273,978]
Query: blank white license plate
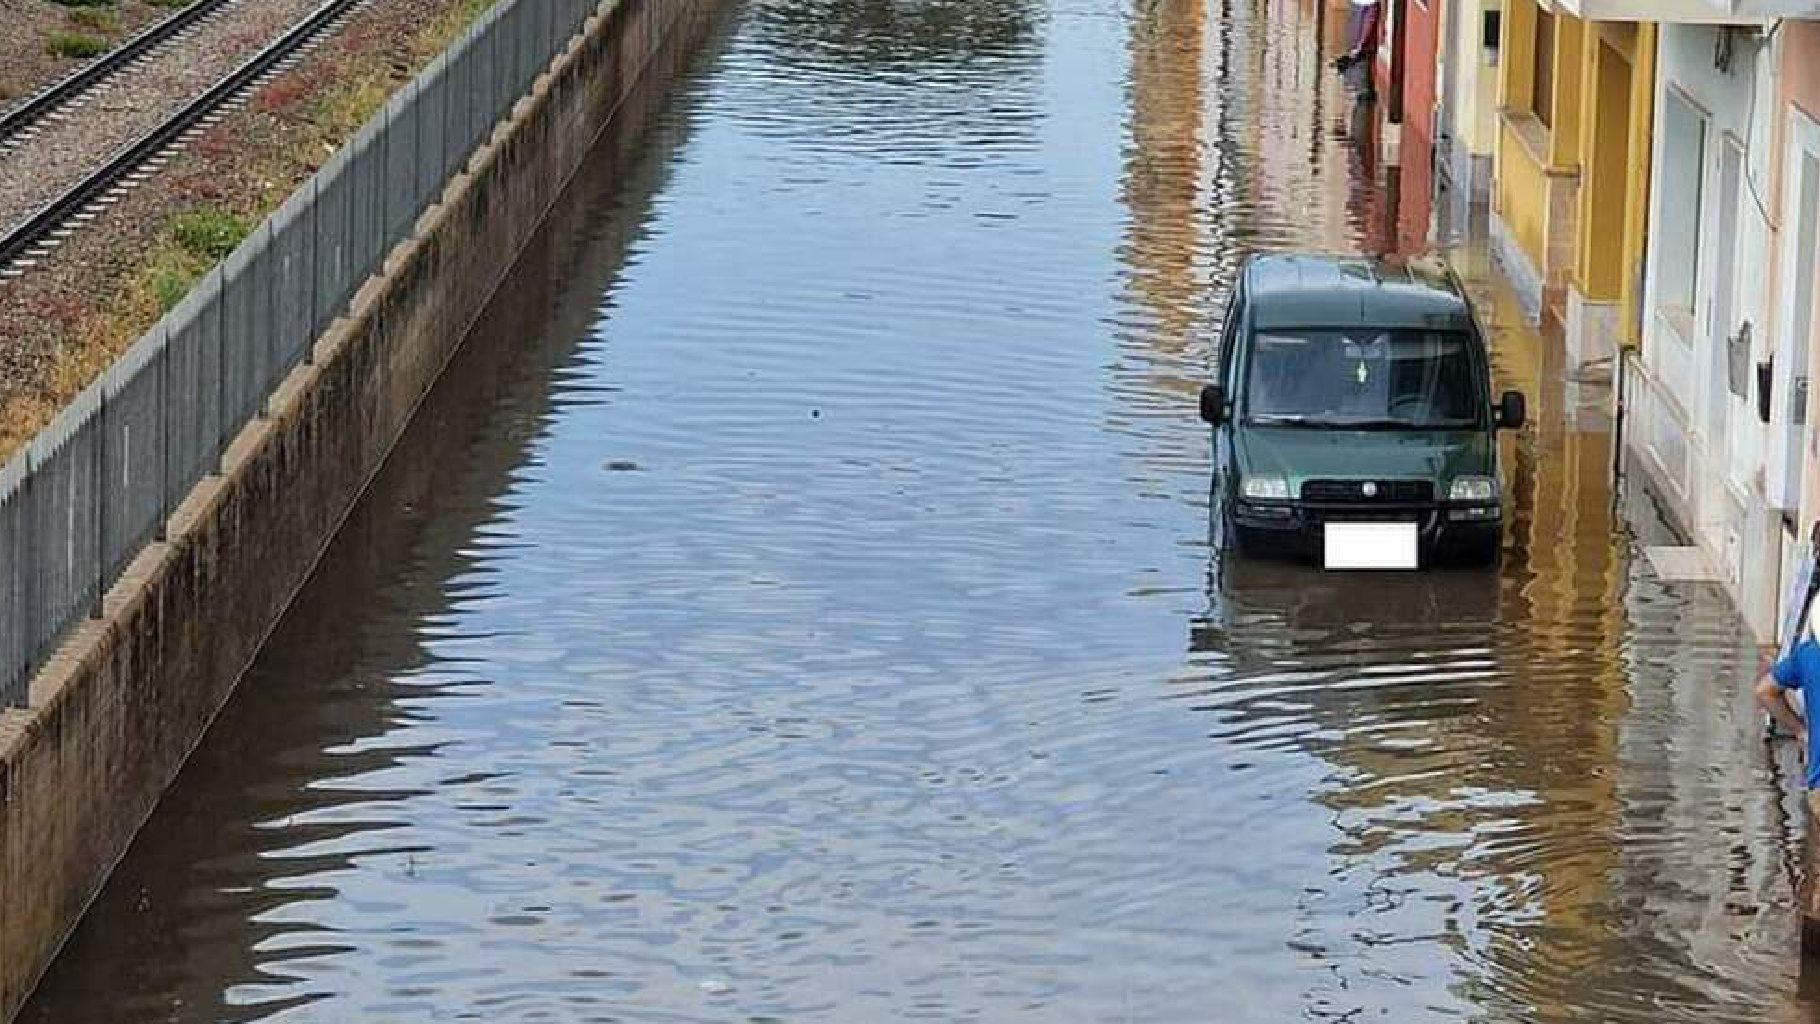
[1371,546]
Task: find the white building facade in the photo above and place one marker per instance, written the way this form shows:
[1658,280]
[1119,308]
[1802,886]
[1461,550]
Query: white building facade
[1701,395]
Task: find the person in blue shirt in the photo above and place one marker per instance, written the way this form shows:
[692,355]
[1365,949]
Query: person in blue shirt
[1792,684]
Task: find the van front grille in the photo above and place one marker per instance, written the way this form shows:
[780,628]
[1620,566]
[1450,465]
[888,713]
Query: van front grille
[1353,492]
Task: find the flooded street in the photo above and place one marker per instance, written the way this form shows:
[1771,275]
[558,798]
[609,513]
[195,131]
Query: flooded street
[798,605]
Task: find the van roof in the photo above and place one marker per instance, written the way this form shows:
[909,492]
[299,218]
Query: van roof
[1354,291]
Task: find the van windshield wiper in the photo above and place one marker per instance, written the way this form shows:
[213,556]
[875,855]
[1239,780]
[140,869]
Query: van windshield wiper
[1325,422]
[1288,420]
[1372,424]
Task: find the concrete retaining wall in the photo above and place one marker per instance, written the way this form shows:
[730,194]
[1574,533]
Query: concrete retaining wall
[115,713]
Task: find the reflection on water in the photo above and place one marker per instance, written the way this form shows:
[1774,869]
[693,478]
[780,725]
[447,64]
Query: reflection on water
[798,605]
[866,37]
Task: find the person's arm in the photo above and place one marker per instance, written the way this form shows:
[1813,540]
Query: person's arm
[1774,698]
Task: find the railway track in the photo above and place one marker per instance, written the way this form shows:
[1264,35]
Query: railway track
[62,98]
[24,244]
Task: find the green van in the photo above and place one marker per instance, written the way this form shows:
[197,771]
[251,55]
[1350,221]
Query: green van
[1352,416]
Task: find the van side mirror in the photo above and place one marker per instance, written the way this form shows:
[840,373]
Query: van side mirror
[1213,404]
[1512,411]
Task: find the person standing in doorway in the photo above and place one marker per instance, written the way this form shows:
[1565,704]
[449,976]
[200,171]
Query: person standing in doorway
[1367,27]
[1367,19]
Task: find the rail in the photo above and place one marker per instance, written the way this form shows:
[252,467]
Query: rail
[19,247]
[61,93]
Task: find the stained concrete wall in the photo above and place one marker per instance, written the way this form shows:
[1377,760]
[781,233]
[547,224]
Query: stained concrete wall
[115,713]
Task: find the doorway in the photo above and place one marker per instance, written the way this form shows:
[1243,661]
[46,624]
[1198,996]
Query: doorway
[1801,217]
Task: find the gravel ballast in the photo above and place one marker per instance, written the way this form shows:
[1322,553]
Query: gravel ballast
[26,63]
[137,100]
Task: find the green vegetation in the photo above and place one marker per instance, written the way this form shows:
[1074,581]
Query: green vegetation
[95,19]
[191,243]
[167,280]
[208,233]
[69,44]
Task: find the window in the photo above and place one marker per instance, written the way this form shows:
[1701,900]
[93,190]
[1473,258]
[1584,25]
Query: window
[1364,378]
[1542,95]
[1683,197]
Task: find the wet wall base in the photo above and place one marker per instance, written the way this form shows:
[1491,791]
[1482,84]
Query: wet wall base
[115,713]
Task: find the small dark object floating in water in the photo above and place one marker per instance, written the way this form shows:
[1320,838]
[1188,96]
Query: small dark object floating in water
[622,466]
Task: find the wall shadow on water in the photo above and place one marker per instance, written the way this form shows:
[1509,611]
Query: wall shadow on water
[178,927]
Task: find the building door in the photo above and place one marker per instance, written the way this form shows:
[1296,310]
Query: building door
[1721,315]
[1801,218]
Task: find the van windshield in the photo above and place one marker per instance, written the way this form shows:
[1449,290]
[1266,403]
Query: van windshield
[1364,379]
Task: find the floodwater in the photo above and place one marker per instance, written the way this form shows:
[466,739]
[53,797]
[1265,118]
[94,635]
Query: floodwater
[797,605]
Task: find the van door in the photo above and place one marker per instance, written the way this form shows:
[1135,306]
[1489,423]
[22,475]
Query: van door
[1228,377]
[1235,312]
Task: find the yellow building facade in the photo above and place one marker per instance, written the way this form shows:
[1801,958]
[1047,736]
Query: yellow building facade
[1570,199]
[1535,195]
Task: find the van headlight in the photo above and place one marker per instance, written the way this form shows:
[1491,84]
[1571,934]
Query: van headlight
[1266,488]
[1473,488]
